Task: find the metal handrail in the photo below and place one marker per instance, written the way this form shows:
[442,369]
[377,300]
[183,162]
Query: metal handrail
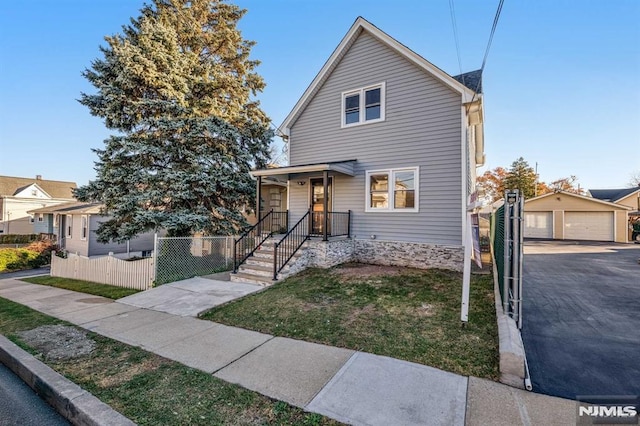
[291,243]
[244,239]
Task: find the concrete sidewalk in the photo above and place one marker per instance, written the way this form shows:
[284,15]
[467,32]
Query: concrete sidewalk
[353,387]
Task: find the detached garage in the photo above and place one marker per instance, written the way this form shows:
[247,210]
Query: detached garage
[567,216]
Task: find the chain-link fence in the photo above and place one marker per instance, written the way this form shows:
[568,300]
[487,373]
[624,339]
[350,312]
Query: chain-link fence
[179,258]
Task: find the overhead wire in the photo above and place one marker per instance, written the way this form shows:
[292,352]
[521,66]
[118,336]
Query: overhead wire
[496,18]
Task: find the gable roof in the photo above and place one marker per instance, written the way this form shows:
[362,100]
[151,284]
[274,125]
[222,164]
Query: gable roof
[76,207]
[582,197]
[356,29]
[612,194]
[11,185]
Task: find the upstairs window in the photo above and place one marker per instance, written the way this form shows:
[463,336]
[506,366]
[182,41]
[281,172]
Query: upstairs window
[363,106]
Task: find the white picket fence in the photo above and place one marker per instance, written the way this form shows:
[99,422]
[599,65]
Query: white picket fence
[135,274]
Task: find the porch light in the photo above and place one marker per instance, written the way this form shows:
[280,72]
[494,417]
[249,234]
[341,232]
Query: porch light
[301,182]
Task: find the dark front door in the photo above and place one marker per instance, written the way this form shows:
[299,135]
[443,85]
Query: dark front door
[317,206]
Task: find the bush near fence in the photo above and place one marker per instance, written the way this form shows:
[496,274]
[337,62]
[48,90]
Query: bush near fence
[110,270]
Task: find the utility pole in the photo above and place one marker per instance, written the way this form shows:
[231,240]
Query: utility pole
[535,185]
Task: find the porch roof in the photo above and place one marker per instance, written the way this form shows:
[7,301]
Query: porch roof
[345,167]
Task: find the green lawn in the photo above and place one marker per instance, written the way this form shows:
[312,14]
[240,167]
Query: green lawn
[403,313]
[152,390]
[104,290]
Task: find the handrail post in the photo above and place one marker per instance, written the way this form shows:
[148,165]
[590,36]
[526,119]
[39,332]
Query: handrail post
[348,223]
[275,260]
[235,256]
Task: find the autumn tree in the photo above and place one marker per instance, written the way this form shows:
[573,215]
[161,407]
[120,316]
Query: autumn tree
[521,176]
[178,89]
[491,184]
[566,184]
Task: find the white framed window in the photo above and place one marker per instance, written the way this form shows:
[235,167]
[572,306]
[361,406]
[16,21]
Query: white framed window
[363,106]
[69,225]
[394,190]
[31,218]
[84,227]
[40,217]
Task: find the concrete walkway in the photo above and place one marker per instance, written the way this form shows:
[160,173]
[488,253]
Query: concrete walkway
[353,387]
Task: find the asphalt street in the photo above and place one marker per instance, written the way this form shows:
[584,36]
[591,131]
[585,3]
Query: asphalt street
[581,318]
[20,405]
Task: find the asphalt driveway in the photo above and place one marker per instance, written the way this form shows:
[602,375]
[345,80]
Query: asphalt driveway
[581,318]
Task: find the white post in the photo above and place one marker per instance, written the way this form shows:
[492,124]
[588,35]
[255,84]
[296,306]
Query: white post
[155,256]
[466,272]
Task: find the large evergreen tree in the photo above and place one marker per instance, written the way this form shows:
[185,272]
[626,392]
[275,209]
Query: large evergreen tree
[521,176]
[178,89]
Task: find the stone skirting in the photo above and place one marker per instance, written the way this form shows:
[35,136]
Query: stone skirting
[325,254]
[413,255]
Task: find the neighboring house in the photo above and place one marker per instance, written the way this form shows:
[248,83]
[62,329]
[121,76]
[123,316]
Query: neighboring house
[629,197]
[273,196]
[20,195]
[567,216]
[75,225]
[387,144]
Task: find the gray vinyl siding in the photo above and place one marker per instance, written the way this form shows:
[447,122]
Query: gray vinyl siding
[76,244]
[422,128]
[143,242]
[44,227]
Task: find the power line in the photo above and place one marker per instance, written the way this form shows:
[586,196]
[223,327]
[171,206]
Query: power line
[455,36]
[493,30]
[496,18]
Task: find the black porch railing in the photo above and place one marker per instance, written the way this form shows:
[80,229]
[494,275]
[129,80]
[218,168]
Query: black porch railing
[270,222]
[338,224]
[284,249]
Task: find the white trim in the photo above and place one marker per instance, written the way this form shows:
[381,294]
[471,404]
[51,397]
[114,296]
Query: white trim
[68,226]
[391,190]
[84,227]
[463,167]
[362,107]
[359,25]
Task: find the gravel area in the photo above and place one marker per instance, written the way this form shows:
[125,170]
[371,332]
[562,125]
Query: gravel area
[57,342]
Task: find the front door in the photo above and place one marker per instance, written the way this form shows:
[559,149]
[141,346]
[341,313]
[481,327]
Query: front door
[317,206]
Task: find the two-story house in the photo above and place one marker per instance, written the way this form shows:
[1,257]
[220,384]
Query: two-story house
[20,195]
[383,149]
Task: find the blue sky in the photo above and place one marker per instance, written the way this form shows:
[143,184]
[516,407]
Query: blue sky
[561,81]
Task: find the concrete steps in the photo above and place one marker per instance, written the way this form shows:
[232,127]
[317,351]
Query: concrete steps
[258,269]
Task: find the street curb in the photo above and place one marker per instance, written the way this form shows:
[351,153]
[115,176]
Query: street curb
[510,346]
[74,403]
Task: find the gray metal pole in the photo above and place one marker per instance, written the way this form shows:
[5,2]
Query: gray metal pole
[520,259]
[507,247]
[515,256]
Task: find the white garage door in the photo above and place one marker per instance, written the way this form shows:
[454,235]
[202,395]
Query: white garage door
[595,226]
[538,225]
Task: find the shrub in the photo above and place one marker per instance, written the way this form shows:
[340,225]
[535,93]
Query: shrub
[34,255]
[18,239]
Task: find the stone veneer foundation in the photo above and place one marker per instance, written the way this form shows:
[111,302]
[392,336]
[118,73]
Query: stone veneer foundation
[325,254]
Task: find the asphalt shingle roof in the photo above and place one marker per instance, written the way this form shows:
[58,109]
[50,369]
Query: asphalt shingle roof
[612,195]
[10,185]
[471,79]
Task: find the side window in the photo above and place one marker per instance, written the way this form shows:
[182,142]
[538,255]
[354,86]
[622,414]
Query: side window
[393,190]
